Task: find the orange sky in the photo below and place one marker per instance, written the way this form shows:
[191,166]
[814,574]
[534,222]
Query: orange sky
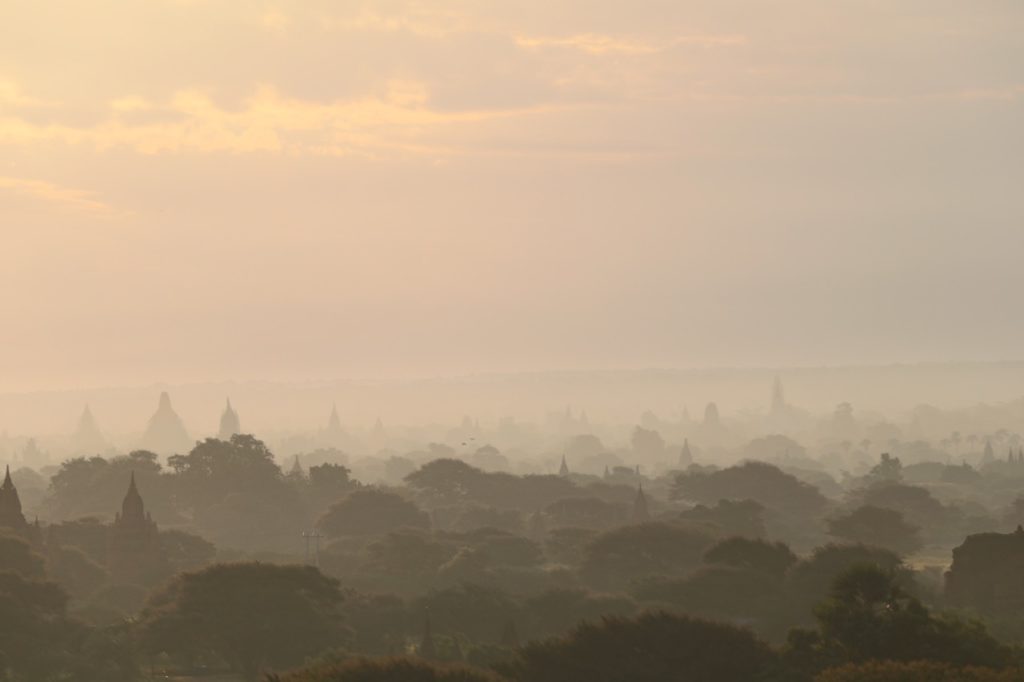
[207,189]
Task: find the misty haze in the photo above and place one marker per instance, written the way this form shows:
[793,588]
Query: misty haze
[565,341]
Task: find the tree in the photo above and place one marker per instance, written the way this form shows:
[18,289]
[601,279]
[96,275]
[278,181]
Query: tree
[654,647]
[216,467]
[647,443]
[237,493]
[16,556]
[74,571]
[811,579]
[94,486]
[387,670]
[185,551]
[718,592]
[774,446]
[580,448]
[585,512]
[489,458]
[757,555]
[729,517]
[251,616]
[407,551]
[919,507]
[914,671]
[327,484]
[475,516]
[888,470]
[567,545]
[555,612]
[504,548]
[617,557]
[39,642]
[765,484]
[371,511]
[881,527]
[379,622]
[31,613]
[870,616]
[90,535]
[446,480]
[468,609]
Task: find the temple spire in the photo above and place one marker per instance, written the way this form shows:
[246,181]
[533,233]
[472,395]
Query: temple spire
[10,504]
[685,456]
[88,439]
[165,433]
[229,422]
[640,511]
[132,508]
[334,421]
[778,397]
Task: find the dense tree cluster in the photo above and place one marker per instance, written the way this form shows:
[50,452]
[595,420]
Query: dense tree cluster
[463,572]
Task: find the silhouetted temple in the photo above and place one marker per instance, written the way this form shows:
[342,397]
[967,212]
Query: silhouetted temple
[685,456]
[778,398]
[640,511]
[10,506]
[11,516]
[334,421]
[88,440]
[986,572]
[165,434]
[134,554]
[230,424]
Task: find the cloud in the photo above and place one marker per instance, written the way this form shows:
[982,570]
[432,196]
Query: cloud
[67,197]
[399,121]
[597,43]
[12,96]
[275,20]
[130,103]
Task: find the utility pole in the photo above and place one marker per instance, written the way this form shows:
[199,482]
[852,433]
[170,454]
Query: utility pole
[315,536]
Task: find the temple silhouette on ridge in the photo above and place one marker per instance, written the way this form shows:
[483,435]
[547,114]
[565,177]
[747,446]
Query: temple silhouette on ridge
[11,516]
[134,553]
[641,512]
[88,439]
[165,434]
[230,424]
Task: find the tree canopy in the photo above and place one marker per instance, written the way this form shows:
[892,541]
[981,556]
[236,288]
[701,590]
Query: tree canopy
[248,615]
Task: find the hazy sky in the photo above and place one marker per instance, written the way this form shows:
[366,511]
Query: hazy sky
[225,189]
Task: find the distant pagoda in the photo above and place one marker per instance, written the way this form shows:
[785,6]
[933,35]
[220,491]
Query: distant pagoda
[334,421]
[641,513]
[88,439]
[11,516]
[230,424]
[10,506]
[685,455]
[134,554]
[165,434]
